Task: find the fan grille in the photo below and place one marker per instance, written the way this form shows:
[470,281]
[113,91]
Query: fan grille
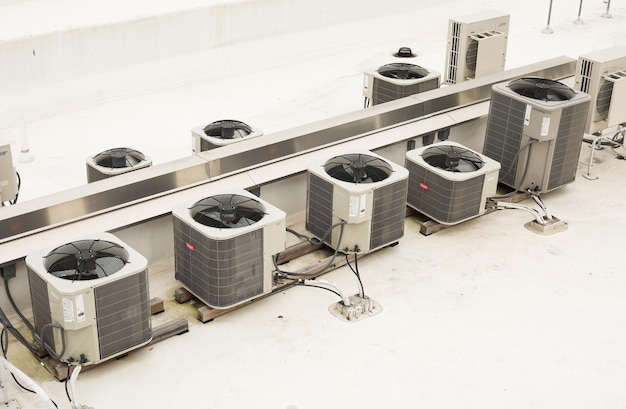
[119,158]
[86,260]
[227,129]
[227,211]
[402,71]
[452,158]
[542,89]
[358,168]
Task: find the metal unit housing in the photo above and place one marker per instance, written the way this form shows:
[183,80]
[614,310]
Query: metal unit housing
[476,45]
[373,213]
[449,197]
[101,318]
[602,74]
[536,142]
[224,267]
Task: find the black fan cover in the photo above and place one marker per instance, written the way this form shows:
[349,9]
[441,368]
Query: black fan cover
[119,158]
[452,158]
[542,89]
[358,168]
[402,71]
[227,129]
[86,260]
[227,211]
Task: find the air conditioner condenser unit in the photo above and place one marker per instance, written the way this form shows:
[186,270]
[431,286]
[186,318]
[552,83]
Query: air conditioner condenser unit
[224,244]
[450,183]
[534,130]
[90,298]
[398,80]
[114,162]
[222,133]
[356,202]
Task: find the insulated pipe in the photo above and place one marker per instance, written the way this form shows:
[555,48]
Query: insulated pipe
[314,283]
[6,366]
[535,213]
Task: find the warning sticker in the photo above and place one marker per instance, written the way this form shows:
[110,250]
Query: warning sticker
[80,308]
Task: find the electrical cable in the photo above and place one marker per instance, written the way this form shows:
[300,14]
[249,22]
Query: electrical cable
[534,212]
[327,265]
[299,235]
[19,185]
[37,337]
[17,310]
[355,270]
[333,288]
[540,203]
[515,159]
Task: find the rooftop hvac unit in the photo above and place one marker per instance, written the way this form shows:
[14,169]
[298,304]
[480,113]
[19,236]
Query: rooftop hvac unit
[397,80]
[223,247]
[363,192]
[450,183]
[476,46]
[221,133]
[535,129]
[8,175]
[90,298]
[113,162]
[602,75]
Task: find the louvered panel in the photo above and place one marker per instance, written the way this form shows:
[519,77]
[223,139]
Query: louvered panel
[455,39]
[221,273]
[385,91]
[319,206]
[388,214]
[41,305]
[568,145]
[444,200]
[503,136]
[123,314]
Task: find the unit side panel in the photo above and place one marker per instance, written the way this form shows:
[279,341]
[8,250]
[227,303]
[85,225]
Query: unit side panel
[568,145]
[319,206]
[388,214]
[41,305]
[123,314]
[503,135]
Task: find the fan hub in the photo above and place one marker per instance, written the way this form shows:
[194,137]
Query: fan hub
[452,159]
[359,169]
[85,261]
[228,212]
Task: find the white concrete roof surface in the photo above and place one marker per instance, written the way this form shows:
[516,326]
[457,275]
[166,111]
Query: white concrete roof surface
[485,314]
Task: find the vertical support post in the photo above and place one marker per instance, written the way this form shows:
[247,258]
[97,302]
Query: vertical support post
[547,29]
[606,14]
[580,8]
[25,155]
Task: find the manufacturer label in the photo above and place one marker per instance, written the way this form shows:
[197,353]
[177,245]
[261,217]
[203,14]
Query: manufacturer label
[423,185]
[357,206]
[68,310]
[189,246]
